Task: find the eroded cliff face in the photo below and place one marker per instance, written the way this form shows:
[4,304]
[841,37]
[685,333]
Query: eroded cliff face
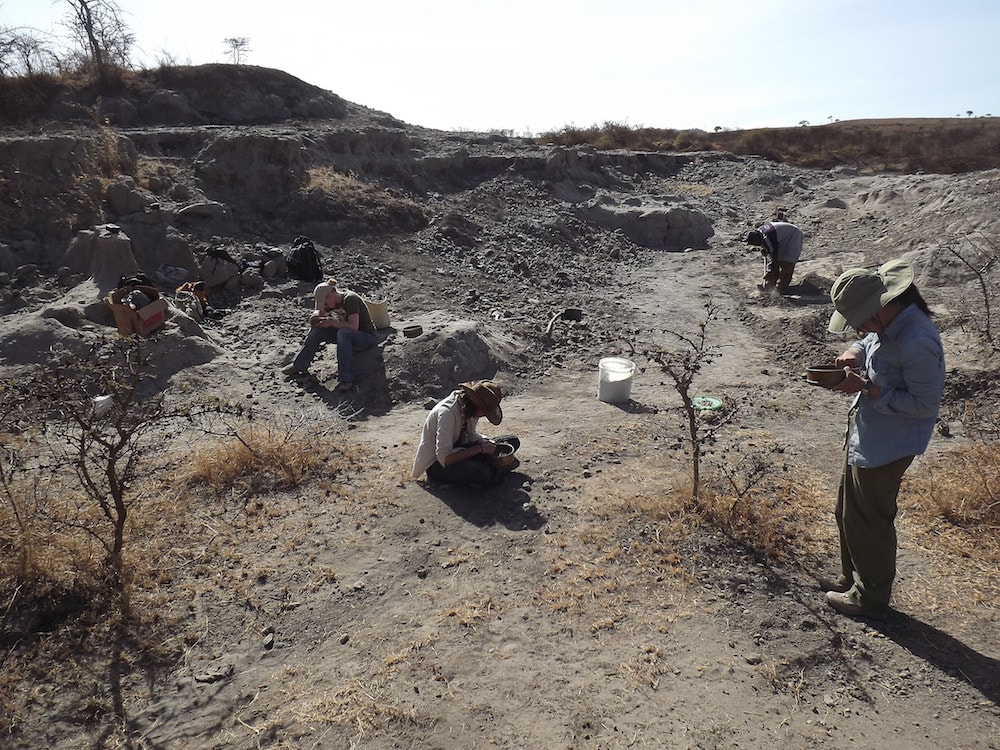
[329,179]
[494,223]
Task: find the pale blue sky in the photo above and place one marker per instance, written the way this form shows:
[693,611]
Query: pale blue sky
[535,65]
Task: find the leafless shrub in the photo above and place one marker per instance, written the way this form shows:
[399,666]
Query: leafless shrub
[104,41]
[24,52]
[76,464]
[237,48]
[982,262]
[683,366]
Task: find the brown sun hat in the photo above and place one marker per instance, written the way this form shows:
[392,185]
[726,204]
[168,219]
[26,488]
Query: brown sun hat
[858,294]
[485,395]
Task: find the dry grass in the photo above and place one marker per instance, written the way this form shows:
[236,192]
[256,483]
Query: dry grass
[346,197]
[941,145]
[963,487]
[365,706]
[470,612]
[781,519]
[951,509]
[646,667]
[264,458]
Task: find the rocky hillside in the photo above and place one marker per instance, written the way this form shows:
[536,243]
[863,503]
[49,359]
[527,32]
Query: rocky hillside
[523,226]
[580,605]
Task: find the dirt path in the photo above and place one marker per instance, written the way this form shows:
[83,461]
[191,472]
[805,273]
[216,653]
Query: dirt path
[568,609]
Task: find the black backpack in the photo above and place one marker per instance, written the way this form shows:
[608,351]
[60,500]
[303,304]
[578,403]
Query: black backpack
[303,260]
[138,279]
[220,253]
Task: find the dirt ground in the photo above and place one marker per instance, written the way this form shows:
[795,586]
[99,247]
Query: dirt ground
[571,607]
[565,609]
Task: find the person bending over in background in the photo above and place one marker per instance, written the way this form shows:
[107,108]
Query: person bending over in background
[891,420]
[780,243]
[451,449]
[341,317]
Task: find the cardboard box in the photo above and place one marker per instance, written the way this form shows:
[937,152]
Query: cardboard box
[142,321]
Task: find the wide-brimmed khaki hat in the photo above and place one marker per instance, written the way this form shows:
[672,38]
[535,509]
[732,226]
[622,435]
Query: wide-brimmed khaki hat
[485,395]
[858,294]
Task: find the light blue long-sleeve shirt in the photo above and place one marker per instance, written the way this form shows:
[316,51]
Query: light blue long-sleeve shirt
[906,361]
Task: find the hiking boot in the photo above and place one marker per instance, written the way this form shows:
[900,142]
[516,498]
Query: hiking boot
[840,584]
[291,371]
[847,604]
[345,385]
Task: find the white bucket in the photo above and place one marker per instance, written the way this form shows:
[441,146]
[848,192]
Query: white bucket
[614,379]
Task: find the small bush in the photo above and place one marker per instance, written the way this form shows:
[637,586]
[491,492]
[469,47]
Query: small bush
[260,459]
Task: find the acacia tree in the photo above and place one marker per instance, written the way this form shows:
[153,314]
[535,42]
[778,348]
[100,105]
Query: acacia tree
[103,36]
[236,48]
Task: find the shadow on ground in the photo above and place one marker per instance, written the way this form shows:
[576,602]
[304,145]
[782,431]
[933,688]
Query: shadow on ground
[506,504]
[945,652]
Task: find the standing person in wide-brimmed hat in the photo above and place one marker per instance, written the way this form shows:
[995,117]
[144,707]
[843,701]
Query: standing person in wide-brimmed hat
[891,421]
[451,449]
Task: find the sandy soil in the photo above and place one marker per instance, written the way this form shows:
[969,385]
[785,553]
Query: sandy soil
[573,607]
[567,609]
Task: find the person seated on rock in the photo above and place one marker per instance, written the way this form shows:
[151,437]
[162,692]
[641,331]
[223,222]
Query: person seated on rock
[780,243]
[451,449]
[341,317]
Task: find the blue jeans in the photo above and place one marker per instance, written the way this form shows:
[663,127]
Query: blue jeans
[348,342]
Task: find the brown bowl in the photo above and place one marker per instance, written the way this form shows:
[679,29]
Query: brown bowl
[411,332]
[504,458]
[827,376]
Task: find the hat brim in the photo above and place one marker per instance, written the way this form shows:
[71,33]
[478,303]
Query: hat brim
[495,416]
[860,315]
[897,277]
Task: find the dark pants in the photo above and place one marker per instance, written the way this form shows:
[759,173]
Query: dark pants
[476,470]
[866,514]
[777,273]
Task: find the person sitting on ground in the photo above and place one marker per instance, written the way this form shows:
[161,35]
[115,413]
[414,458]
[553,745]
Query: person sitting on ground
[780,243]
[451,449]
[341,317]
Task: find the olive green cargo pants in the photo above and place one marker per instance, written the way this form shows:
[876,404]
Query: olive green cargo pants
[866,515]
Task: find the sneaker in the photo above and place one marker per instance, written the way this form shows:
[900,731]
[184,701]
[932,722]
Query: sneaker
[840,584]
[345,385]
[846,604]
[291,371]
